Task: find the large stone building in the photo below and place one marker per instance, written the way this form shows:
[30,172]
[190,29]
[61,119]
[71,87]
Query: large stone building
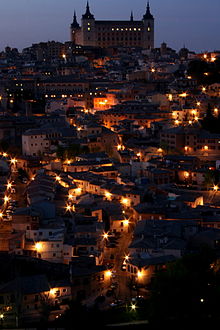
[113,33]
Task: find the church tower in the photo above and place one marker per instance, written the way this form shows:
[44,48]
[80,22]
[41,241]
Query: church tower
[88,28]
[148,35]
[74,30]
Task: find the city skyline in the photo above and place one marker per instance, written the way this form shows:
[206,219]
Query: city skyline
[25,22]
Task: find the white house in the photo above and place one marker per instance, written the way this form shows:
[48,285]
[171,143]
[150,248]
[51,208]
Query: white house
[38,141]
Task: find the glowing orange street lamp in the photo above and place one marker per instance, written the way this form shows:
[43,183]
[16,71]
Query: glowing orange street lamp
[70,196]
[186,174]
[126,222]
[52,292]
[38,246]
[9,185]
[108,273]
[105,235]
[108,195]
[127,257]
[139,275]
[6,199]
[125,201]
[13,161]
[215,188]
[68,208]
[78,191]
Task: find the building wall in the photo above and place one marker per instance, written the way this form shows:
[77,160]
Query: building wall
[32,145]
[114,33]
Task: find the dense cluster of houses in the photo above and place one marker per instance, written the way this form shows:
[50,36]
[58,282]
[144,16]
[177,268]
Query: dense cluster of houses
[105,145]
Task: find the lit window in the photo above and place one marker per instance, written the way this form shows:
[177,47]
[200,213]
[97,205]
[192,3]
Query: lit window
[148,29]
[135,29]
[89,28]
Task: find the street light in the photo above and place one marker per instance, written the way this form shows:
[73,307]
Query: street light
[139,275]
[9,185]
[105,235]
[70,196]
[6,199]
[68,208]
[108,195]
[108,273]
[133,307]
[126,222]
[13,161]
[215,188]
[127,258]
[125,201]
[38,246]
[52,292]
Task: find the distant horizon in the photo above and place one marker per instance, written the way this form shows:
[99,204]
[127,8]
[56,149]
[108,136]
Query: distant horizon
[25,22]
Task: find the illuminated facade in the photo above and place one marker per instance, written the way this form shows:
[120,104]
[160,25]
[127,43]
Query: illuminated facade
[113,33]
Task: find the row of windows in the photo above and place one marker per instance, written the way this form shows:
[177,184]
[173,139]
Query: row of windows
[210,147]
[119,29]
[116,34]
[37,144]
[121,39]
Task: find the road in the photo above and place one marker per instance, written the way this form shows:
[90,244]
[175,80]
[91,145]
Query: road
[122,291]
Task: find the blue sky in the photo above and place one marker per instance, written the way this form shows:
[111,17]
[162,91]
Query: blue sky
[194,23]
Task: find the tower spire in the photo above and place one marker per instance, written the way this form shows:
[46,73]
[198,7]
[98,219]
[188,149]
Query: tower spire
[132,17]
[74,16]
[148,14]
[88,14]
[75,24]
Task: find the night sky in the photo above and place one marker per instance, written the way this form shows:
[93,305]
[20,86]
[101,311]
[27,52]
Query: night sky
[194,23]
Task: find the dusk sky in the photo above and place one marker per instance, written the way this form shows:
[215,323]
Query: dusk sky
[194,23]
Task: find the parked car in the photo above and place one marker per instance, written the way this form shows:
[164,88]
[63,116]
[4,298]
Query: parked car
[117,303]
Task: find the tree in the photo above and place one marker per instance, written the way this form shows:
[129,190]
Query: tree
[209,122]
[185,292]
[71,151]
